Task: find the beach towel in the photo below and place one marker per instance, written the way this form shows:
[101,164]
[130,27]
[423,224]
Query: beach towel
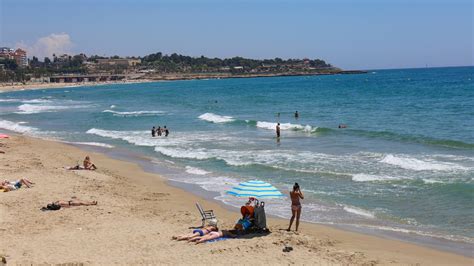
[4,136]
[218,239]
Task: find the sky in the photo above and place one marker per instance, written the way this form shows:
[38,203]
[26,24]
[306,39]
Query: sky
[357,34]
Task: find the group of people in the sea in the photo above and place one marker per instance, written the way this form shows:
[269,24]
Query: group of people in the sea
[158,131]
[297,115]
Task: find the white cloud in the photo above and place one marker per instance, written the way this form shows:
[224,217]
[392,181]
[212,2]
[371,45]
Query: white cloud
[55,43]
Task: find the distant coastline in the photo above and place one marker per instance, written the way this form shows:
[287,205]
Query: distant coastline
[9,86]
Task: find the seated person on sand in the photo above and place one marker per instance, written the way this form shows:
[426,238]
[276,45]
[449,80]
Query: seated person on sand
[56,205]
[215,235]
[87,165]
[197,233]
[14,185]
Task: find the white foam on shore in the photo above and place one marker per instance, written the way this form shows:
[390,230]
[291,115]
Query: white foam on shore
[98,144]
[432,181]
[34,109]
[410,163]
[10,100]
[368,178]
[36,101]
[133,113]
[286,126]
[359,211]
[196,171]
[213,118]
[197,154]
[16,127]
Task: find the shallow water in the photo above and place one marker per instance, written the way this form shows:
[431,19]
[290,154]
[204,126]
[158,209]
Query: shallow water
[405,163]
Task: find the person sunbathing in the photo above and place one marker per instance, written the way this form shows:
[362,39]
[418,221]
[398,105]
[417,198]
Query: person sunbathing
[88,165]
[196,233]
[14,185]
[215,235]
[56,205]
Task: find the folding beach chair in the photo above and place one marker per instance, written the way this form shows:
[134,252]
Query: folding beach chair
[206,215]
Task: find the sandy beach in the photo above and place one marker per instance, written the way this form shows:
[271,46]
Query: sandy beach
[138,213]
[6,87]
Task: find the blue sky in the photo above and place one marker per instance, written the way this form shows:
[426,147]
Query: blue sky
[365,34]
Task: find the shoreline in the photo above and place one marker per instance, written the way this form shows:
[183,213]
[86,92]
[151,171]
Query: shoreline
[6,87]
[148,165]
[129,197]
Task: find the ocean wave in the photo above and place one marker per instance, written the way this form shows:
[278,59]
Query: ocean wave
[411,163]
[9,100]
[359,211]
[409,138]
[185,153]
[213,118]
[432,181]
[216,183]
[98,144]
[16,127]
[133,113]
[369,178]
[196,171]
[286,126]
[44,108]
[36,101]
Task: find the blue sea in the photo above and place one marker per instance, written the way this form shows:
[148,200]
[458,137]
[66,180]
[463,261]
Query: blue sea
[404,164]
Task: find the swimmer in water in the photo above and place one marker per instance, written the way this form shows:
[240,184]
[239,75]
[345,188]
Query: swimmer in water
[278,130]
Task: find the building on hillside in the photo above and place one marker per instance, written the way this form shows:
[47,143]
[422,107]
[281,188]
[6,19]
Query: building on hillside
[18,55]
[126,62]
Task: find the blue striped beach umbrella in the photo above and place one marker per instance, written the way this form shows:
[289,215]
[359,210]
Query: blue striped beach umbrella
[255,188]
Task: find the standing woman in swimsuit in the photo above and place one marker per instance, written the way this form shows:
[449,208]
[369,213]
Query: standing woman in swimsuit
[295,196]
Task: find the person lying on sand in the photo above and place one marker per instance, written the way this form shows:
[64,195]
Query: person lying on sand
[56,205]
[215,235]
[196,233]
[87,165]
[14,185]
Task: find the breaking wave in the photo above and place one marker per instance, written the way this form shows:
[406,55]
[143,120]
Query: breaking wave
[213,118]
[420,165]
[133,113]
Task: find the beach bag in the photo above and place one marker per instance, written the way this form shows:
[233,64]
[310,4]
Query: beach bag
[259,214]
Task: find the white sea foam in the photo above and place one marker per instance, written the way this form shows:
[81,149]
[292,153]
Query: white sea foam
[215,183]
[286,126]
[133,113]
[420,165]
[17,127]
[359,211]
[368,178]
[210,117]
[432,181]
[196,171]
[34,109]
[36,101]
[197,154]
[10,100]
[112,106]
[98,144]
